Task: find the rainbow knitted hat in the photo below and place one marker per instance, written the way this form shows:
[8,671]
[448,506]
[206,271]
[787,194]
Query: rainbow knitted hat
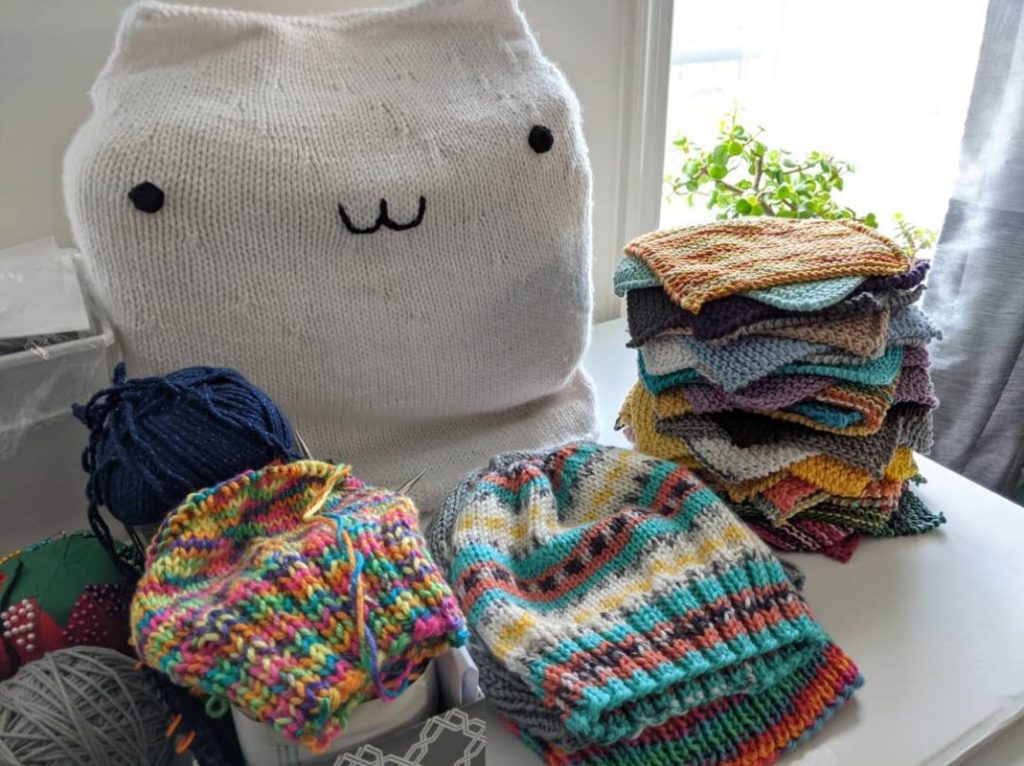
[294,592]
[615,594]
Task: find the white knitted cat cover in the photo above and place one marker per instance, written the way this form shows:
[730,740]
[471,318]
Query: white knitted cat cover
[382,218]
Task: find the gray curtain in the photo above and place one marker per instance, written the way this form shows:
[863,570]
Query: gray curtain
[976,289]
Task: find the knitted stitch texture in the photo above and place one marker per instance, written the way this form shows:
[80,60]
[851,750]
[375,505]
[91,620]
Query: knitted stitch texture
[740,730]
[616,592]
[728,460]
[633,274]
[809,536]
[650,312]
[733,366]
[896,515]
[915,385]
[768,393]
[801,397]
[731,375]
[697,264]
[295,592]
[748,429]
[832,534]
[807,296]
[791,496]
[829,474]
[787,497]
[329,224]
[780,391]
[750,358]
[843,408]
[638,417]
[861,334]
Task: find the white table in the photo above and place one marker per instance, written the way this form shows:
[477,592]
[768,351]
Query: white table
[936,622]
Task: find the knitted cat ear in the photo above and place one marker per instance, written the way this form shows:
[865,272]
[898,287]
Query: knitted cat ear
[154,33]
[503,16]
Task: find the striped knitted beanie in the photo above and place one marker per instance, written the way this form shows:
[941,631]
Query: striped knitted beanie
[294,592]
[612,596]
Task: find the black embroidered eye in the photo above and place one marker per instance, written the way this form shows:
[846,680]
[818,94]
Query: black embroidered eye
[146,197]
[541,139]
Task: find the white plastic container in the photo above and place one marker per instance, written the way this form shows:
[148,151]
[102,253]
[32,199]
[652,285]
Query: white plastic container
[262,746]
[42,383]
[40,443]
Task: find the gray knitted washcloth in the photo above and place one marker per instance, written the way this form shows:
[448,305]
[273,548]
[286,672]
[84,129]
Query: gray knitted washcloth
[904,426]
[753,357]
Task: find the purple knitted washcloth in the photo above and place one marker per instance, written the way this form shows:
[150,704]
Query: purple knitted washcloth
[915,385]
[771,393]
[905,281]
[651,312]
[777,391]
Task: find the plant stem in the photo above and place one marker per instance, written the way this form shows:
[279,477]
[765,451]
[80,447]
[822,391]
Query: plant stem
[799,169]
[721,182]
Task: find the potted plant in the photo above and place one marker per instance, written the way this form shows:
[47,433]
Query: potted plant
[743,176]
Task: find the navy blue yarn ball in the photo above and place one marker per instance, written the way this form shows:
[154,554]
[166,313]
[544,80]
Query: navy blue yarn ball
[153,441]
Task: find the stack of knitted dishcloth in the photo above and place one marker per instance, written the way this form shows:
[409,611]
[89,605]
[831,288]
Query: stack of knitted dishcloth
[784,361]
[294,593]
[621,614]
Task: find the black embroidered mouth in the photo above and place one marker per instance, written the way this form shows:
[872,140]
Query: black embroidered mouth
[383,219]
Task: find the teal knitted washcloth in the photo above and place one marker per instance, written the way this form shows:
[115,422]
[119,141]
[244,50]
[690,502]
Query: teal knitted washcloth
[873,372]
[634,274]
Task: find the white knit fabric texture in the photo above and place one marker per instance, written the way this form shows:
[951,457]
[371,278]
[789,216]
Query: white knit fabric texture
[274,141]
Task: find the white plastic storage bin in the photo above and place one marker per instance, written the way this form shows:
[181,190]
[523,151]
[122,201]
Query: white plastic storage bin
[262,746]
[40,384]
[40,442]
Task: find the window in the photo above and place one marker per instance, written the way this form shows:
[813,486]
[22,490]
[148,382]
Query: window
[883,84]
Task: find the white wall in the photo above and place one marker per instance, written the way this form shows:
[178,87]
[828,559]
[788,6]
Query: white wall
[50,51]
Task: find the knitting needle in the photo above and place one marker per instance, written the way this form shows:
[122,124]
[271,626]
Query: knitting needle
[408,485]
[309,456]
[302,445]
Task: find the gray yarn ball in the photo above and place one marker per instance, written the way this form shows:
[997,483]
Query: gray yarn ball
[84,706]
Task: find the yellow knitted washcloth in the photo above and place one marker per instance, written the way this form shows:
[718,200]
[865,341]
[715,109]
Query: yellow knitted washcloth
[697,264]
[830,475]
[637,412]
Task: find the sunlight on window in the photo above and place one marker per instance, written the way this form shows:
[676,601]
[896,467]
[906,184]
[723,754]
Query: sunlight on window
[882,84]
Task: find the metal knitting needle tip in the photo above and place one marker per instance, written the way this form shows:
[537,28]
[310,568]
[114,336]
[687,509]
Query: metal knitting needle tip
[408,485]
[302,445]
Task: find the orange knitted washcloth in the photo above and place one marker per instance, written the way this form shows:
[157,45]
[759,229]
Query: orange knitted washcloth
[697,264]
[831,475]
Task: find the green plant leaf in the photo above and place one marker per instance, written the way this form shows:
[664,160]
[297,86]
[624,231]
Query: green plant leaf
[771,181]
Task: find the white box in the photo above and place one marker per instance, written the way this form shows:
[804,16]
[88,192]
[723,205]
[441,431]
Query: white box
[449,682]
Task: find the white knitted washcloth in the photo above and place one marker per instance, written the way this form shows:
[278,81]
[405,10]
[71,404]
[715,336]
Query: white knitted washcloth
[382,218]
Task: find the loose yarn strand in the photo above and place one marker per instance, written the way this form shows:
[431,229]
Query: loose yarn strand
[324,494]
